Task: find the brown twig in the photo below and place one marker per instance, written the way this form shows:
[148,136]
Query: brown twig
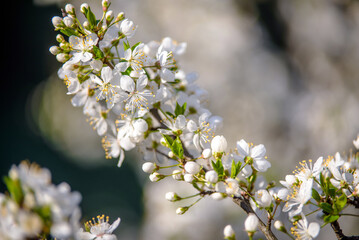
[339,233]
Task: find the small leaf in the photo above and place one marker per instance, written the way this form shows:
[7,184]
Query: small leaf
[98,53]
[331,192]
[177,148]
[340,203]
[330,218]
[126,45]
[15,190]
[315,195]
[91,17]
[233,169]
[134,46]
[68,32]
[168,139]
[326,207]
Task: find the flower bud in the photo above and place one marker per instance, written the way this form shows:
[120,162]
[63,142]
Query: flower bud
[148,167]
[62,57]
[188,178]
[105,5]
[120,17]
[279,226]
[171,154]
[70,9]
[211,176]
[60,38]
[192,167]
[228,232]
[219,144]
[181,210]
[172,196]
[263,198]
[251,223]
[218,196]
[84,8]
[56,21]
[86,25]
[155,177]
[109,16]
[177,175]
[69,22]
[207,153]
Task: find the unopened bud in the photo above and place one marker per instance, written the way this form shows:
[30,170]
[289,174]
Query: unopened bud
[228,232]
[218,196]
[54,50]
[155,177]
[188,178]
[56,21]
[60,38]
[109,16]
[192,167]
[70,9]
[211,176]
[181,210]
[251,223]
[218,145]
[69,22]
[177,175]
[207,153]
[280,226]
[172,196]
[171,154]
[105,5]
[120,17]
[148,167]
[62,57]
[86,25]
[84,7]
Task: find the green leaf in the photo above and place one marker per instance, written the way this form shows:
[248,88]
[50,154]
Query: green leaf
[315,195]
[168,139]
[326,207]
[330,218]
[331,192]
[171,115]
[91,17]
[340,203]
[180,110]
[68,32]
[235,168]
[134,46]
[98,53]
[126,45]
[15,190]
[177,148]
[218,167]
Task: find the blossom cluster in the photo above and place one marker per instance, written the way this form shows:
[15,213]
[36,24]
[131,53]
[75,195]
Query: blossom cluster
[34,208]
[136,95]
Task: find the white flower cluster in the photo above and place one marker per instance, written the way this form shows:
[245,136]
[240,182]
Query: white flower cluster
[36,208]
[136,95]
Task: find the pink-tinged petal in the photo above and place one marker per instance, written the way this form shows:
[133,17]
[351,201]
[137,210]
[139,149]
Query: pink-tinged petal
[127,83]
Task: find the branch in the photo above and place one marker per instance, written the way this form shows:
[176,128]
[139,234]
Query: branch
[339,233]
[244,204]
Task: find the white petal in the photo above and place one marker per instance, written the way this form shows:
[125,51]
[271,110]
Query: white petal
[101,127]
[314,229]
[243,148]
[122,66]
[141,82]
[106,74]
[167,75]
[192,126]
[258,151]
[127,83]
[114,225]
[180,122]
